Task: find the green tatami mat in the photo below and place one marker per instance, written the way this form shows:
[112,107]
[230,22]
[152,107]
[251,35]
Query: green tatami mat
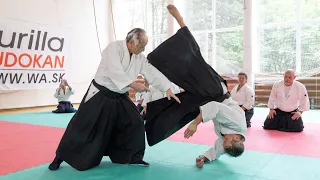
[175,161]
[44,118]
[47,118]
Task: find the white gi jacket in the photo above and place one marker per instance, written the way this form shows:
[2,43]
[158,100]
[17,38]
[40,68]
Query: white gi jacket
[296,99]
[228,118]
[62,96]
[116,70]
[244,97]
[156,94]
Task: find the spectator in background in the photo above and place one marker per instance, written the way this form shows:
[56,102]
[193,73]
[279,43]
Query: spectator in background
[287,101]
[243,94]
[63,94]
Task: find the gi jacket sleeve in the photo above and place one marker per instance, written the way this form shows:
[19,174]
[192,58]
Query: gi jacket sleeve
[56,93]
[249,98]
[273,97]
[114,67]
[210,110]
[216,151]
[304,104]
[154,76]
[70,92]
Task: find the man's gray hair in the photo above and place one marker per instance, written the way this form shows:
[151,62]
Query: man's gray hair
[291,71]
[135,35]
[236,149]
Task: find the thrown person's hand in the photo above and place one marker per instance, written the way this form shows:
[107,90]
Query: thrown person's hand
[192,128]
[200,161]
[171,95]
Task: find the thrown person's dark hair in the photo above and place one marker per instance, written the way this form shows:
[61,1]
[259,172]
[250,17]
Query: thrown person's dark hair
[236,149]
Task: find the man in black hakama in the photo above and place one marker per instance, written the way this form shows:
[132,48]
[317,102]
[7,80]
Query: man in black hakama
[107,122]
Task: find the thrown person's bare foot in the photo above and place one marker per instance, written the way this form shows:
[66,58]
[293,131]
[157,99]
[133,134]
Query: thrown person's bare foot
[175,13]
[200,161]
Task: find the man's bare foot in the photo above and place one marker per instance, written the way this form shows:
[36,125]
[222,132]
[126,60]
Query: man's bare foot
[200,161]
[175,13]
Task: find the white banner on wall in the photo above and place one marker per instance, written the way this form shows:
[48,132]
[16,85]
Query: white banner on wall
[33,56]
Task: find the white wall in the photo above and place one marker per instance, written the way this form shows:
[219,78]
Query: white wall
[76,14]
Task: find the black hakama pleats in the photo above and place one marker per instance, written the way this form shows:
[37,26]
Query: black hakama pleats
[108,124]
[180,60]
[64,107]
[282,121]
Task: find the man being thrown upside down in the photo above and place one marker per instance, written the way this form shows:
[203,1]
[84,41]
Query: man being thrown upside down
[228,118]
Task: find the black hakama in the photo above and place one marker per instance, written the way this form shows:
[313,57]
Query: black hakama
[282,121]
[64,107]
[249,114]
[108,124]
[180,60]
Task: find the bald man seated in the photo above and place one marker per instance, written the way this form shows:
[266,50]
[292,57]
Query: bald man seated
[287,101]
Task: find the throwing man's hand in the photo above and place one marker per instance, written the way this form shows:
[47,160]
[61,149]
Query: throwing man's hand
[139,87]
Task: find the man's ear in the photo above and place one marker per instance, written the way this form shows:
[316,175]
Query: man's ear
[223,138]
[238,138]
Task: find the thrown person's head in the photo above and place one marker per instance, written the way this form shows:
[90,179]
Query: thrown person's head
[233,144]
[137,40]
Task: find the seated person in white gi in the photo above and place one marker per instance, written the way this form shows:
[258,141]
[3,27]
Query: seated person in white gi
[139,96]
[63,94]
[139,99]
[230,127]
[244,96]
[155,94]
[287,101]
